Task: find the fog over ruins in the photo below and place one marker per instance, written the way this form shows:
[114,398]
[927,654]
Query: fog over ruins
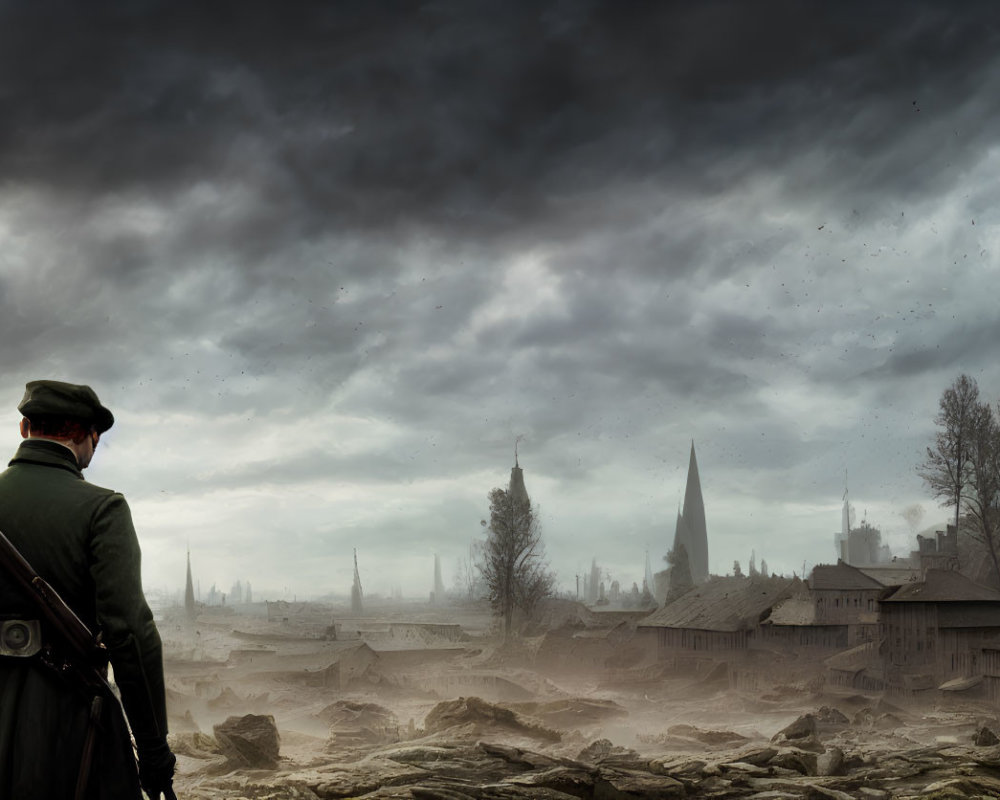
[533,399]
[875,675]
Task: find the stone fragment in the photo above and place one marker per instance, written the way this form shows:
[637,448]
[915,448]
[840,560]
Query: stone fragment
[441,793]
[577,782]
[193,745]
[801,761]
[622,785]
[743,768]
[831,719]
[249,741]
[985,737]
[811,743]
[758,756]
[803,728]
[710,737]
[478,716]
[873,717]
[523,758]
[682,767]
[831,762]
[784,787]
[970,786]
[602,750]
[418,754]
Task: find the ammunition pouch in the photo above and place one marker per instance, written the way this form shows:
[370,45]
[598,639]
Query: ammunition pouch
[20,638]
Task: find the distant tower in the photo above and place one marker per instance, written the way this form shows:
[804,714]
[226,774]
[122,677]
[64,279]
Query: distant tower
[691,530]
[841,540]
[594,583]
[682,534]
[516,488]
[189,606]
[357,598]
[438,595]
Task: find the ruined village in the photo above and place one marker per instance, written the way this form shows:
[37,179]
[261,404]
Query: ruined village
[875,675]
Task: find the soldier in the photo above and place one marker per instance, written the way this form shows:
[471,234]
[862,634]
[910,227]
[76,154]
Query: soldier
[80,538]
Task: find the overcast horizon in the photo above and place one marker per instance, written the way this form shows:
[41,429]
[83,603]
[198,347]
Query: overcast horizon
[326,262]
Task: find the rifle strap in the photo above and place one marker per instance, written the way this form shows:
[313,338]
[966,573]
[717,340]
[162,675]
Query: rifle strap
[89,745]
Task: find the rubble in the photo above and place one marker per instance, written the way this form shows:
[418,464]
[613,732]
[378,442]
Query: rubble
[249,741]
[985,737]
[496,772]
[475,717]
[353,723]
[655,735]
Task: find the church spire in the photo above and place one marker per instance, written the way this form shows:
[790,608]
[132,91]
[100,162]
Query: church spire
[516,488]
[189,606]
[694,522]
[357,596]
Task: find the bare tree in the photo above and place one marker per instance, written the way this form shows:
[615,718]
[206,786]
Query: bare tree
[981,494]
[945,470]
[513,562]
[468,584]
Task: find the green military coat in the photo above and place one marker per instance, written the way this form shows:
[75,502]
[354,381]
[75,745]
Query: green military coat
[80,538]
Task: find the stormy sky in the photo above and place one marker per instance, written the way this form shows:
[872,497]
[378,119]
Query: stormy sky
[327,261]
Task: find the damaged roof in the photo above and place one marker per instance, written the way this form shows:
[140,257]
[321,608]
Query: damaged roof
[892,575]
[725,604]
[841,576]
[795,611]
[944,586]
[853,659]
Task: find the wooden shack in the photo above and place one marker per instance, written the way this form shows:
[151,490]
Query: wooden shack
[716,621]
[937,627]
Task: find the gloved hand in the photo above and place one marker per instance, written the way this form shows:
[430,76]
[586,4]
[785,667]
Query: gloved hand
[156,769]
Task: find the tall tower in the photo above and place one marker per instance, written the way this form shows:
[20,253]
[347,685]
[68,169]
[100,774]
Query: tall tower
[691,530]
[357,597]
[189,606]
[516,488]
[437,596]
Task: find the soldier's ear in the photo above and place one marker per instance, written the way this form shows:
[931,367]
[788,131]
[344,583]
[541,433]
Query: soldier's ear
[25,427]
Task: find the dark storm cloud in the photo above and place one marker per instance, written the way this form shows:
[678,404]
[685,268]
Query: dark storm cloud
[609,227]
[966,343]
[473,117]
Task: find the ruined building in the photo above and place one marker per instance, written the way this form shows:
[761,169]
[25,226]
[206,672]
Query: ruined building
[860,546]
[717,626]
[937,552]
[691,530]
[936,630]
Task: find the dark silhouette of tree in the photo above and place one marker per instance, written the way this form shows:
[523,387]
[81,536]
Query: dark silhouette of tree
[946,468]
[962,469]
[981,494]
[680,573]
[512,561]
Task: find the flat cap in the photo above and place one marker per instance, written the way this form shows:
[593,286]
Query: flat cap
[59,399]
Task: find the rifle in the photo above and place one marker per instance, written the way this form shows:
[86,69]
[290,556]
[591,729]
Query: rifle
[85,657]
